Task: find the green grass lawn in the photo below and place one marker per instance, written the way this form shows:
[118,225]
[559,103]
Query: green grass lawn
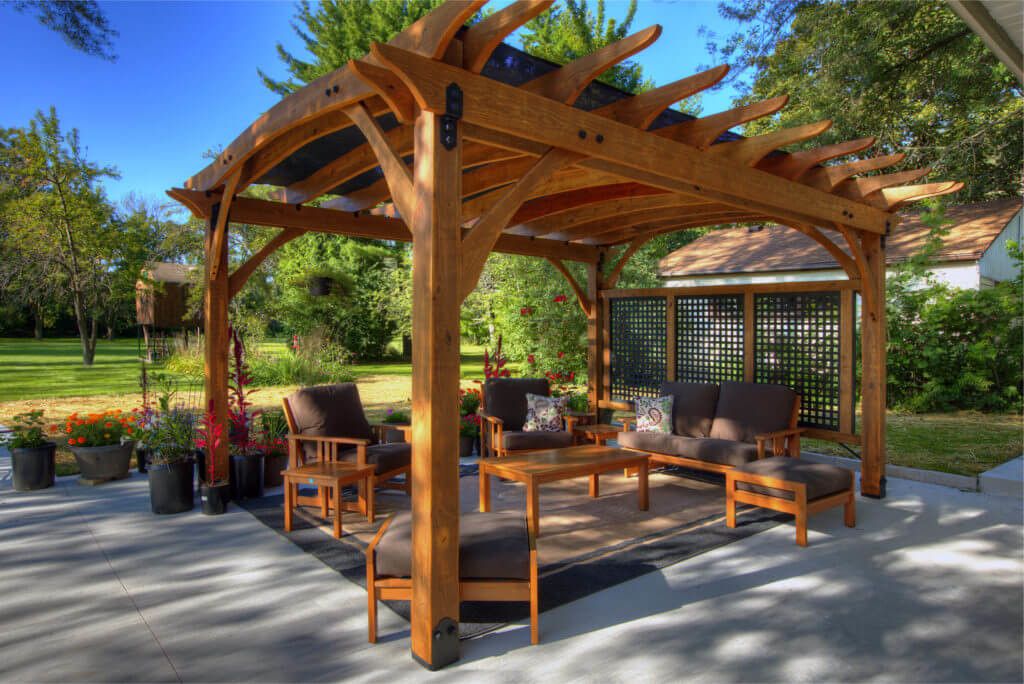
[40,374]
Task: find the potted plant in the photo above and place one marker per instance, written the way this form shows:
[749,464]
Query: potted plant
[393,417]
[32,454]
[213,493]
[274,445]
[102,444]
[247,461]
[469,434]
[171,443]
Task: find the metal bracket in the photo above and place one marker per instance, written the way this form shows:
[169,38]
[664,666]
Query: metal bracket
[444,649]
[451,116]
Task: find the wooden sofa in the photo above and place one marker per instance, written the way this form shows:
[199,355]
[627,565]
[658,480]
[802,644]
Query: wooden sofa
[719,427]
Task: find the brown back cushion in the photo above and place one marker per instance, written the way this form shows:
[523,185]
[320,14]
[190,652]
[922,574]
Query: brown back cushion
[330,411]
[693,407]
[505,398]
[747,409]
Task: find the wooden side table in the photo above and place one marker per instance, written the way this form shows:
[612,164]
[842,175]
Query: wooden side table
[598,434]
[331,478]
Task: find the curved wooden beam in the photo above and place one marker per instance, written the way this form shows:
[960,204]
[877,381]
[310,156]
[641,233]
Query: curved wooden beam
[634,246]
[572,200]
[561,224]
[795,164]
[568,179]
[859,188]
[842,258]
[567,83]
[868,289]
[218,240]
[643,108]
[891,199]
[826,178]
[615,221]
[242,274]
[656,228]
[429,36]
[750,151]
[388,87]
[702,132]
[483,37]
[581,296]
[398,176]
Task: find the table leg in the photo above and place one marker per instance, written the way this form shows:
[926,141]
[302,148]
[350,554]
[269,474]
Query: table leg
[369,500]
[594,486]
[642,482]
[337,511]
[532,509]
[361,488]
[289,504]
[325,501]
[485,491]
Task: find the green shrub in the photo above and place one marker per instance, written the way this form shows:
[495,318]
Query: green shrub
[187,361]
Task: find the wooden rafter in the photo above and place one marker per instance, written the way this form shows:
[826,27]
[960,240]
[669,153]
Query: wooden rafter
[562,223]
[702,132]
[484,36]
[893,198]
[828,177]
[859,188]
[794,165]
[667,224]
[750,151]
[398,176]
[641,110]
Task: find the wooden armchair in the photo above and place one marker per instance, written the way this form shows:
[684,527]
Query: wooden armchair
[503,413]
[327,423]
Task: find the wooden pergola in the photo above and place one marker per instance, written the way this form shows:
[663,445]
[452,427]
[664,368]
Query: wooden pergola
[450,139]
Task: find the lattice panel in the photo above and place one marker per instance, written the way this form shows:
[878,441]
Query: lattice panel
[709,338]
[638,341]
[796,343]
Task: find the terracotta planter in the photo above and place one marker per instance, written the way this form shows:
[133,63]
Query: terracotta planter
[466,445]
[103,463]
[33,468]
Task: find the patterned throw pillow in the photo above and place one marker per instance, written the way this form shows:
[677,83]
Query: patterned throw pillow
[654,414]
[544,414]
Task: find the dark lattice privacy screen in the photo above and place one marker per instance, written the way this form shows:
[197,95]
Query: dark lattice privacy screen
[709,338]
[638,341]
[796,343]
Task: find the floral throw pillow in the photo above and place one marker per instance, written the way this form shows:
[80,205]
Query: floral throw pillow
[654,414]
[544,414]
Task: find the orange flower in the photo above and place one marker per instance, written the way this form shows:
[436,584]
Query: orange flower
[81,422]
[69,430]
[81,440]
[108,425]
[53,428]
[129,430]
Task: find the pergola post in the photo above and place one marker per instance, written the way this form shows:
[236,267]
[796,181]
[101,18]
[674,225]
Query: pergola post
[873,375]
[436,231]
[215,328]
[595,336]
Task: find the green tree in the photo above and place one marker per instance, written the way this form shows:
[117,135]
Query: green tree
[336,31]
[911,73]
[61,222]
[81,23]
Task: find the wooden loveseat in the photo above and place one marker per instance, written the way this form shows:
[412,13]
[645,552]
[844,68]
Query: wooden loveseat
[720,427]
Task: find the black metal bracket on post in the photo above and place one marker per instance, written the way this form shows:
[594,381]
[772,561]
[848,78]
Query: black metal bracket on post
[451,116]
[444,649]
[881,491]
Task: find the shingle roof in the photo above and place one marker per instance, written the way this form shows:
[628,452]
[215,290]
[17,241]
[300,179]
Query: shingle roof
[166,272]
[777,248]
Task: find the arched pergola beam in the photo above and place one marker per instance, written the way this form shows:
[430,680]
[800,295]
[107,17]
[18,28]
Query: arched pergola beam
[572,178]
[562,224]
[570,201]
[429,36]
[667,225]
[398,175]
[612,279]
[218,238]
[606,224]
[242,274]
[483,37]
[581,297]
[844,260]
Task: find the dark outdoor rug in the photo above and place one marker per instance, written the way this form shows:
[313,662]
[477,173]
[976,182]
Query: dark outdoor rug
[585,544]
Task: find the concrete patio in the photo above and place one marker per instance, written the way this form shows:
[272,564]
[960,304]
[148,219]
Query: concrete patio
[927,588]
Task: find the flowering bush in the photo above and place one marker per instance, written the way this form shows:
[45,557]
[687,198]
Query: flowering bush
[393,417]
[99,429]
[240,416]
[469,425]
[469,401]
[26,431]
[169,436]
[209,436]
[494,364]
[271,437]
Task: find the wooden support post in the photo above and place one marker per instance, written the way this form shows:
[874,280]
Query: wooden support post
[670,330]
[215,324]
[847,379]
[872,474]
[436,231]
[596,322]
[748,336]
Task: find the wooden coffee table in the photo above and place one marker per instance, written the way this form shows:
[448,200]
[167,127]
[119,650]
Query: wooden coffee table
[538,467]
[329,477]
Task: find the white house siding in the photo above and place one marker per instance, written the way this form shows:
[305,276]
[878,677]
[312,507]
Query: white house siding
[962,274]
[996,264]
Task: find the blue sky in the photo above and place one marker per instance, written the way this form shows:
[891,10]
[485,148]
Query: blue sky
[186,80]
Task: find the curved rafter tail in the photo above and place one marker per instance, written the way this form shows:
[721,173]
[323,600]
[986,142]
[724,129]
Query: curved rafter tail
[482,38]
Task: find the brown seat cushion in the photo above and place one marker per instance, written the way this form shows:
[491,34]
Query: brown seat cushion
[515,440]
[821,479]
[386,457]
[491,546]
[747,409]
[693,407]
[329,411]
[505,398]
[719,451]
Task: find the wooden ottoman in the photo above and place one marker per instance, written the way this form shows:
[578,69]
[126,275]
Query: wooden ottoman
[790,485]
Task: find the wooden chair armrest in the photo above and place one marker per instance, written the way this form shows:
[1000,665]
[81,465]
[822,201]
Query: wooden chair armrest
[779,433]
[381,428]
[784,442]
[493,420]
[616,404]
[376,537]
[356,441]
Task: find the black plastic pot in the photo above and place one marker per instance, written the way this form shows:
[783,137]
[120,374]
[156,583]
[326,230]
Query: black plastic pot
[320,286]
[466,445]
[33,468]
[273,464]
[200,457]
[170,487]
[246,476]
[141,458]
[215,498]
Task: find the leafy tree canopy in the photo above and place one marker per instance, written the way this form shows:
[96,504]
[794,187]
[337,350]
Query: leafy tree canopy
[911,73]
[81,23]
